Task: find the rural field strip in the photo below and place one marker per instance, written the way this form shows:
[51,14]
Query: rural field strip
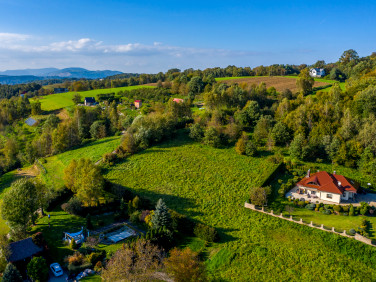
[356,237]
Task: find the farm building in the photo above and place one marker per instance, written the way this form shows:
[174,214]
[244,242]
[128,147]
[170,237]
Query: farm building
[60,90]
[177,100]
[326,186]
[90,101]
[138,104]
[316,72]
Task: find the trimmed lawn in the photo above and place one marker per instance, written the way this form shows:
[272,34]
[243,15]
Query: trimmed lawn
[338,221]
[63,222]
[57,101]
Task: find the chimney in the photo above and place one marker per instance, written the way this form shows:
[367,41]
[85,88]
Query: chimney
[308,173]
[334,172]
[339,184]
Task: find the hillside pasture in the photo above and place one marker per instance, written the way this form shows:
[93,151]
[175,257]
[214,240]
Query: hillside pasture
[58,101]
[210,185]
[280,83]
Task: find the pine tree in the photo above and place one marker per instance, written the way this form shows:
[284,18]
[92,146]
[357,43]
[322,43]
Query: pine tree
[161,215]
[11,274]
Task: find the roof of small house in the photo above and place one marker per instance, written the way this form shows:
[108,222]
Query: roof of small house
[327,182]
[89,99]
[23,249]
[178,100]
[137,101]
[317,69]
[30,121]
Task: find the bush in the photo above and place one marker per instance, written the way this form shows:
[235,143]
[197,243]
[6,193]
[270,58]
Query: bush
[327,212]
[38,239]
[98,266]
[352,231]
[73,206]
[76,259]
[321,209]
[205,232]
[73,244]
[311,207]
[345,208]
[351,210]
[337,208]
[100,222]
[95,257]
[135,217]
[345,213]
[37,269]
[301,204]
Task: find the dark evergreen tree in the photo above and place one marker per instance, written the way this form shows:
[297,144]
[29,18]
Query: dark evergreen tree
[11,274]
[161,217]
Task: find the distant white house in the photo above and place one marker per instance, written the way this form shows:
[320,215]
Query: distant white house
[316,72]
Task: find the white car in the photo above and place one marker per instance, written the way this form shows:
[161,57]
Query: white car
[56,269]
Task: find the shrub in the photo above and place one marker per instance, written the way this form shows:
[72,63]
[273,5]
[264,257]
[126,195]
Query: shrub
[352,231]
[345,208]
[205,232]
[98,266]
[94,257]
[100,222]
[345,213]
[134,217]
[73,206]
[321,209]
[11,274]
[37,269]
[351,210]
[327,212]
[73,244]
[337,208]
[38,239]
[76,259]
[301,204]
[311,207]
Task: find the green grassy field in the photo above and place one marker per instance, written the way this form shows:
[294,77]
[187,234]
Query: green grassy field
[210,185]
[95,150]
[63,100]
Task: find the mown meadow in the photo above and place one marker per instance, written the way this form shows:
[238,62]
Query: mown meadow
[210,185]
[58,101]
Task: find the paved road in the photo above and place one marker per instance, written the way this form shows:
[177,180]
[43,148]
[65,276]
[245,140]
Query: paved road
[62,278]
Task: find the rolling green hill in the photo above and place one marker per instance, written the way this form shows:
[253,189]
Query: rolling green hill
[58,101]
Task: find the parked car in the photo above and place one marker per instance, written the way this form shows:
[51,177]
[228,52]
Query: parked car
[56,269]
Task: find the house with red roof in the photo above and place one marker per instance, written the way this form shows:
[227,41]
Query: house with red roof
[138,104]
[178,100]
[329,187]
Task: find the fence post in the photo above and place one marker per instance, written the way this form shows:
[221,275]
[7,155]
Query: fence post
[291,217]
[271,212]
[262,208]
[322,226]
[311,224]
[301,220]
[333,229]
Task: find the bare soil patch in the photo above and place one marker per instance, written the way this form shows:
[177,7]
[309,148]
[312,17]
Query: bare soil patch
[31,171]
[280,83]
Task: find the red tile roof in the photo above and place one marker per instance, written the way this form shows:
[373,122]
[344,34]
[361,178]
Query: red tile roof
[177,100]
[137,101]
[326,182]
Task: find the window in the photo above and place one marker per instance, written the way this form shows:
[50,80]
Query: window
[329,196]
[313,192]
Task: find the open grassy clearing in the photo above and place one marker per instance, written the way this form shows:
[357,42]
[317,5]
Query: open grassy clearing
[279,82]
[95,150]
[57,101]
[210,185]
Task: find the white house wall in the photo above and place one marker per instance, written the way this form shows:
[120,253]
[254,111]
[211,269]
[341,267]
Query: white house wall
[336,198]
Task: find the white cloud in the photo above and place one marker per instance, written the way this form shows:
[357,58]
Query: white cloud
[8,38]
[24,51]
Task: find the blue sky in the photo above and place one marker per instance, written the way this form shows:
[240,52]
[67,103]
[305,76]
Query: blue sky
[151,36]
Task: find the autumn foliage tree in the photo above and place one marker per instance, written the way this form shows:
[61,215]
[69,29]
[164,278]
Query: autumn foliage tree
[185,265]
[84,178]
[134,262]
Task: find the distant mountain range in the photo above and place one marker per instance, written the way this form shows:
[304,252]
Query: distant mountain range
[29,75]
